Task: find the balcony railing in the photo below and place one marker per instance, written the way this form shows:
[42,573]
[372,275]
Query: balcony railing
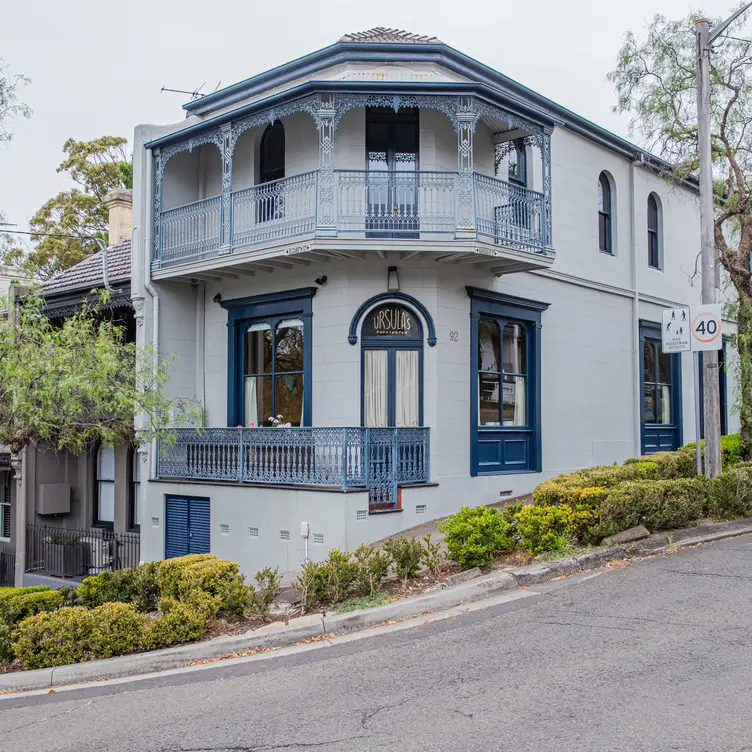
[509,214]
[376,203]
[395,202]
[376,459]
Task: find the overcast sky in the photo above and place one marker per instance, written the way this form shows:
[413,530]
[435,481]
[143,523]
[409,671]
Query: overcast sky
[98,67]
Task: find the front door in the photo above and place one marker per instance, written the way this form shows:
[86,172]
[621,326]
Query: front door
[392,368]
[392,160]
[187,528]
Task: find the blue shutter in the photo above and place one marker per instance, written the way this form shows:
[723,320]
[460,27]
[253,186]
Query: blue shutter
[176,526]
[199,527]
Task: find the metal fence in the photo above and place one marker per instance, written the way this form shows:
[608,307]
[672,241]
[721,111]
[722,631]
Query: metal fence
[377,459]
[65,552]
[7,567]
[508,213]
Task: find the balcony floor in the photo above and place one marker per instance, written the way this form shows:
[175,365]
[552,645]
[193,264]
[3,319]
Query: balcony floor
[477,253]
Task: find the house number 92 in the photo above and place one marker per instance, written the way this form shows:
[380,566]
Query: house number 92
[454,336]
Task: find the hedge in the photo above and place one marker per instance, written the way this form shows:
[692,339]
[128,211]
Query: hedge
[137,586]
[53,639]
[28,602]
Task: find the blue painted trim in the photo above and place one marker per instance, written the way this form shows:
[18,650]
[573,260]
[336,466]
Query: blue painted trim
[383,297]
[439,54]
[651,330]
[298,302]
[486,303]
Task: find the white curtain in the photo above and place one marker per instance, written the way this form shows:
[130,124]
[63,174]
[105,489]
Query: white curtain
[665,416]
[407,408]
[520,419]
[375,389]
[251,402]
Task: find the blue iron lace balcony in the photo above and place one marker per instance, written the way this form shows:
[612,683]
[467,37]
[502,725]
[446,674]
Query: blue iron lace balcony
[374,204]
[374,459]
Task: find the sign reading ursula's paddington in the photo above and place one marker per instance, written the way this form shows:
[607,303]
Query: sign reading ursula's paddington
[391,320]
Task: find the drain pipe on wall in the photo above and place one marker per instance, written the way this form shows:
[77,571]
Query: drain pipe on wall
[635,312]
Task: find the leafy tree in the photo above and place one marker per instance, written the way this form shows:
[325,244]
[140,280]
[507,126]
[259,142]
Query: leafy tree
[10,105]
[655,80]
[97,167]
[67,386]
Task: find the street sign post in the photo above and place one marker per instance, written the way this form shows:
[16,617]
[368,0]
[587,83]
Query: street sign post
[694,329]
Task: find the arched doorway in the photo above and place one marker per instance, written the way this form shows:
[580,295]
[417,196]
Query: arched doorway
[392,367]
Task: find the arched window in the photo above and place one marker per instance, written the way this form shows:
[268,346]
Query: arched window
[604,214]
[105,486]
[134,490]
[272,153]
[654,232]
[5,504]
[517,163]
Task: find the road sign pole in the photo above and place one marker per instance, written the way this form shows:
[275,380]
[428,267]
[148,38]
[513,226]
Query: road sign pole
[698,416]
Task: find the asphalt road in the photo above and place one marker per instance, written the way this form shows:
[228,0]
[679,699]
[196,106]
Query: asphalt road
[654,656]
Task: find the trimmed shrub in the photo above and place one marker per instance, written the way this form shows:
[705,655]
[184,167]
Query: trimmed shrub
[542,529]
[53,639]
[181,623]
[474,536]
[6,647]
[116,628]
[659,505]
[184,577]
[405,556]
[262,596]
[341,574]
[12,592]
[731,449]
[373,566]
[312,583]
[730,494]
[18,607]
[137,586]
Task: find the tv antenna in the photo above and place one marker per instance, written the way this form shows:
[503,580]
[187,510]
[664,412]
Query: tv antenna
[195,94]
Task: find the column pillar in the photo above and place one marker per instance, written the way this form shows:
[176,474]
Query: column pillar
[156,256]
[546,162]
[17,463]
[326,214]
[226,140]
[466,120]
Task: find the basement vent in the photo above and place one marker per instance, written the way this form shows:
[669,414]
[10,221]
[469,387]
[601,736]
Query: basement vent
[420,509]
[253,532]
[224,529]
[284,534]
[361,514]
[505,493]
[155,521]
[318,539]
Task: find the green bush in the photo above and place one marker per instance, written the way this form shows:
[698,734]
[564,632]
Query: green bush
[312,583]
[474,536]
[53,638]
[555,528]
[116,628]
[12,592]
[405,555]
[6,646]
[670,465]
[433,556]
[182,623]
[341,574]
[731,449]
[373,566]
[185,577]
[18,607]
[730,494]
[659,505]
[262,596]
[138,586]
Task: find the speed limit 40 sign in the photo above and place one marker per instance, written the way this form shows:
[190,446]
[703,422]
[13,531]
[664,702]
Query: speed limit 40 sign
[695,328]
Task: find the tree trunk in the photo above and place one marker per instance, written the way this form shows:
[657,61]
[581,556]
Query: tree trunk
[744,349]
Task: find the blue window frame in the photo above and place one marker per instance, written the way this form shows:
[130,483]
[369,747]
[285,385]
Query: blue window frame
[505,383]
[654,233]
[269,357]
[604,214]
[661,403]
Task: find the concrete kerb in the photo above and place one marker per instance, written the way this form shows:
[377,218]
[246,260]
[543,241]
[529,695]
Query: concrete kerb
[282,634]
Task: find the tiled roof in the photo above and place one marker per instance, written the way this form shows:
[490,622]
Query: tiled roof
[87,274]
[382,35]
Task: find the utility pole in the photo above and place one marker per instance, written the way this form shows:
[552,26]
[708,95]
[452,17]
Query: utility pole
[711,390]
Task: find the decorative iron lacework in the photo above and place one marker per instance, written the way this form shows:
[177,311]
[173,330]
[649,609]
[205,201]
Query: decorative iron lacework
[383,35]
[502,150]
[343,103]
[120,301]
[213,136]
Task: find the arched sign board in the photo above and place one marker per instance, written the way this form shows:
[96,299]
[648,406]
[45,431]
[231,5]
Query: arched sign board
[391,320]
[695,328]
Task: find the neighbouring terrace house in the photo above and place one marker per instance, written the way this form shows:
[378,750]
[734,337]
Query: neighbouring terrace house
[80,512]
[449,286]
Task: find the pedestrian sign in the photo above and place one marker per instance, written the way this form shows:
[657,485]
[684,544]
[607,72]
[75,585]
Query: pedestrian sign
[707,328]
[676,335]
[695,328]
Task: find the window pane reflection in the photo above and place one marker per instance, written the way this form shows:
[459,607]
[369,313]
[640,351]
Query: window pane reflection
[488,346]
[289,346]
[515,349]
[488,398]
[515,413]
[258,349]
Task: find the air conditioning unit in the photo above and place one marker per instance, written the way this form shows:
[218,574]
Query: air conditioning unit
[98,554]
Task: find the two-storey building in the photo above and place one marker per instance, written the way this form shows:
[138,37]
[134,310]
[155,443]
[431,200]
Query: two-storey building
[446,284]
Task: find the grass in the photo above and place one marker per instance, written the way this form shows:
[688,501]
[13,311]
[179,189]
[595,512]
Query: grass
[366,601]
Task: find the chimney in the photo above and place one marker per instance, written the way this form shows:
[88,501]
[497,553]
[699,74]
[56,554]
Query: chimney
[120,204]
